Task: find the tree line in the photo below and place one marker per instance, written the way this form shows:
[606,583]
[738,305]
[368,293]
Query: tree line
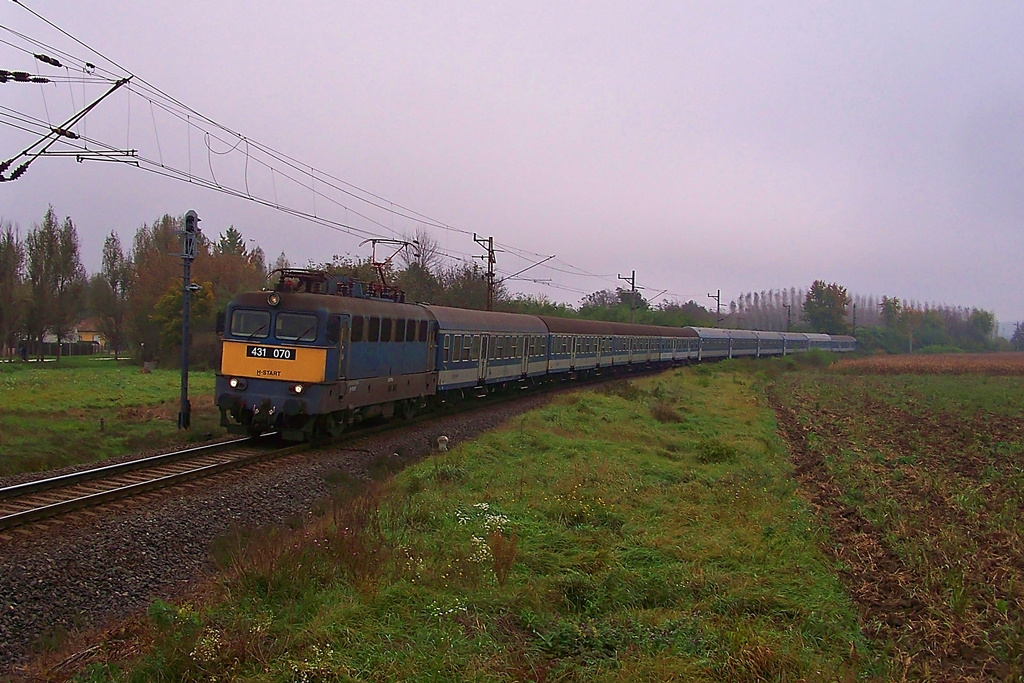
[135,299]
[891,324]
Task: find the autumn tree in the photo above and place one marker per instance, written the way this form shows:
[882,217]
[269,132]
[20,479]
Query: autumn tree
[1017,340]
[37,248]
[166,315]
[426,252]
[611,305]
[464,286]
[231,242]
[156,255]
[232,267]
[110,291]
[67,281]
[56,276]
[12,273]
[282,262]
[419,284]
[677,314]
[825,308]
[891,310]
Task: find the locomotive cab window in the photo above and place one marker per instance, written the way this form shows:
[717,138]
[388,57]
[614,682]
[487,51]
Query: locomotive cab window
[296,327]
[251,324]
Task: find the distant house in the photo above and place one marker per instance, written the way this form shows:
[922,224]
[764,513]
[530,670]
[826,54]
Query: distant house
[89,331]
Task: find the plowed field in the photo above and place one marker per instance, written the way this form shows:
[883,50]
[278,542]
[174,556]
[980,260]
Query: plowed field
[921,482]
[938,364]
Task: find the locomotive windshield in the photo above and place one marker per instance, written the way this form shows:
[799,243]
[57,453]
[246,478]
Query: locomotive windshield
[295,327]
[250,324]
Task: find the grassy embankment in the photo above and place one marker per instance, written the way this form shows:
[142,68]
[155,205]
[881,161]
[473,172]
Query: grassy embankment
[84,408]
[921,480]
[645,531]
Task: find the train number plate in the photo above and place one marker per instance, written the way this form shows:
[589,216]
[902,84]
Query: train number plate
[272,352]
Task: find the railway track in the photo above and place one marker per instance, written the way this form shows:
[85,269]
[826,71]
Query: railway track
[45,498]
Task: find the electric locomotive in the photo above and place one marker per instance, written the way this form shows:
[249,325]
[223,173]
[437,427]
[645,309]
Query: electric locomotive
[307,357]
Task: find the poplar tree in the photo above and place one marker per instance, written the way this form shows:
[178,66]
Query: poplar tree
[111,293]
[12,273]
[67,282]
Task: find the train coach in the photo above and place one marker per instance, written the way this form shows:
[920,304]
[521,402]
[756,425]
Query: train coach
[319,353]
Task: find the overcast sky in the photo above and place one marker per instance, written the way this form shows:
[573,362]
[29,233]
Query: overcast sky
[707,145]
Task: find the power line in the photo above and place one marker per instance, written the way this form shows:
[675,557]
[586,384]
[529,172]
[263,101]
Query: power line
[263,158]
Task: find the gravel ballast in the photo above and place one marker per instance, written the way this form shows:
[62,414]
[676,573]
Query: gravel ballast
[97,568]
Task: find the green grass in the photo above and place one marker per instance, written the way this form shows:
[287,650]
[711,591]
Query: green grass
[85,408]
[648,530]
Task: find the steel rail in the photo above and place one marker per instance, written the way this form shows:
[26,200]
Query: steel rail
[62,507]
[119,468]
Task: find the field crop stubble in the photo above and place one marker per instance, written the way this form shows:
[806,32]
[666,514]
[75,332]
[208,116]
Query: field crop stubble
[923,483]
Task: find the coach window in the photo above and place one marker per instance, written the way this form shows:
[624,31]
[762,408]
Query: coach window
[410,331]
[295,326]
[447,341]
[374,331]
[509,349]
[251,324]
[467,347]
[456,348]
[385,329]
[476,347]
[400,330]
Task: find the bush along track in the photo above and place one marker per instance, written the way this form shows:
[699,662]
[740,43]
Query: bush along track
[645,530]
[921,488]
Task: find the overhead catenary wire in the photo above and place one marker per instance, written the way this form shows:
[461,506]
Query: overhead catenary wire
[278,164]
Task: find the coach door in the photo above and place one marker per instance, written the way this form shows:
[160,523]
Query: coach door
[481,369]
[431,329]
[338,334]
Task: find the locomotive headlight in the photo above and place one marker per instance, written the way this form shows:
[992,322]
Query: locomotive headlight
[274,299]
[298,389]
[237,383]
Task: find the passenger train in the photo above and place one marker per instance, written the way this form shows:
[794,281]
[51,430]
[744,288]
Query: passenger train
[319,353]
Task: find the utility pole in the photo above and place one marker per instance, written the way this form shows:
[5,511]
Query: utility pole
[718,299]
[787,307]
[632,293]
[488,244]
[189,242]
